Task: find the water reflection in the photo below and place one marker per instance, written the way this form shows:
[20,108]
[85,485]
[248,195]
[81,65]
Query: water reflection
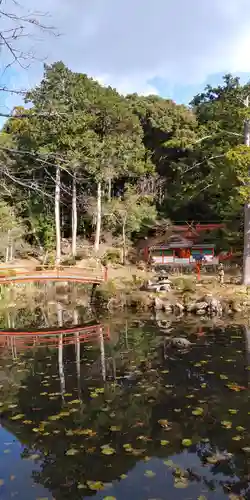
[106,412]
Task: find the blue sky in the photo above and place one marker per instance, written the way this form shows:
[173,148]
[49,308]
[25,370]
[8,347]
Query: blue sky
[169,48]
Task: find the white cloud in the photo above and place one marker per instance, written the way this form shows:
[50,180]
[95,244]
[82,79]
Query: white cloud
[126,43]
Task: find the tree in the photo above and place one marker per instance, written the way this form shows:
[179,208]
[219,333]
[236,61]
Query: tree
[130,213]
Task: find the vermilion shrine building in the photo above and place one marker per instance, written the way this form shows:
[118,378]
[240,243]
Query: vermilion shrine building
[181,248]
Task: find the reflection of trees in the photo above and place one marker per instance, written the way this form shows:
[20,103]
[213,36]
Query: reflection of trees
[145,389]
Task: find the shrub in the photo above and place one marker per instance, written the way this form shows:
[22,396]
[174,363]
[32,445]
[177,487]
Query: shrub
[69,261]
[185,285]
[112,256]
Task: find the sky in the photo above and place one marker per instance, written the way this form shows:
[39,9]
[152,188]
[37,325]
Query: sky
[170,48]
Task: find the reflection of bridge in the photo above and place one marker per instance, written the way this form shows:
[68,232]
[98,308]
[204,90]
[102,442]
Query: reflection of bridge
[91,276]
[50,336]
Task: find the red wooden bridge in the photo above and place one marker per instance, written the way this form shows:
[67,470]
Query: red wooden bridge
[88,275]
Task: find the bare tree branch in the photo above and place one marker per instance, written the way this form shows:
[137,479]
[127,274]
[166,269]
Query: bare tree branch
[16,25]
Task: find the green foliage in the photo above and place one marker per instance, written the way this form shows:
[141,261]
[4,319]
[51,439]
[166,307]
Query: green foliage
[152,157]
[112,256]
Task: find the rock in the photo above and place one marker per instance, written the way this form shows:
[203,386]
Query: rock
[158,304]
[165,287]
[180,308]
[162,305]
[201,306]
[191,308]
[180,342]
[215,306]
[168,308]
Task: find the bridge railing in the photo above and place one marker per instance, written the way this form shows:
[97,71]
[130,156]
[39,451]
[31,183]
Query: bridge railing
[60,272]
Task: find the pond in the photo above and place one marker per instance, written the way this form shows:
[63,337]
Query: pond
[108,412]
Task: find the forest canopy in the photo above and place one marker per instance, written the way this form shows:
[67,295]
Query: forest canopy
[80,160]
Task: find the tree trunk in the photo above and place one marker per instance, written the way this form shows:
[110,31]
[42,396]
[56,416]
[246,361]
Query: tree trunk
[7,249]
[98,217]
[74,217]
[109,189]
[11,250]
[124,242]
[246,256]
[57,216]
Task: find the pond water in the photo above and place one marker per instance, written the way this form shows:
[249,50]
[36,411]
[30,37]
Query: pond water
[108,413]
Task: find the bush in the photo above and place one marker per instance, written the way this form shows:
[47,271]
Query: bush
[185,285]
[69,261]
[112,256]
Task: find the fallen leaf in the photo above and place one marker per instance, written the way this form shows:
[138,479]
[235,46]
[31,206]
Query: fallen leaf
[95,485]
[198,411]
[186,442]
[17,417]
[149,473]
[108,451]
[71,451]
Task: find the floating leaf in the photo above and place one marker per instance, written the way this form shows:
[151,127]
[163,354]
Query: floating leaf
[212,459]
[127,446]
[227,424]
[109,498]
[164,442]
[181,483]
[108,451]
[26,422]
[232,411]
[18,417]
[169,463]
[149,473]
[34,457]
[71,451]
[95,485]
[186,442]
[236,438]
[223,377]
[239,428]
[198,411]
[115,428]
[246,449]
[81,486]
[123,476]
[74,402]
